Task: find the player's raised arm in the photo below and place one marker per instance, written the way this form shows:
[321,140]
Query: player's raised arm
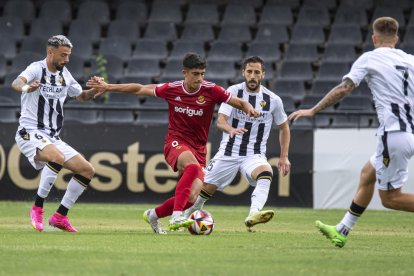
[243,105]
[335,95]
[130,88]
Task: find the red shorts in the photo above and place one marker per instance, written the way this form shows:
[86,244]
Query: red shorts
[174,147]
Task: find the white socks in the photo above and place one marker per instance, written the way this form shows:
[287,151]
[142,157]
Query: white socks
[259,195]
[48,178]
[74,190]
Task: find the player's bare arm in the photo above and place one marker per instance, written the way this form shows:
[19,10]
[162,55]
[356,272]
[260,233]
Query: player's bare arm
[335,95]
[87,95]
[224,126]
[243,105]
[284,139]
[130,88]
[20,85]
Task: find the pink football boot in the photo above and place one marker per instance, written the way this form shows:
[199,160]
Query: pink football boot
[62,222]
[36,217]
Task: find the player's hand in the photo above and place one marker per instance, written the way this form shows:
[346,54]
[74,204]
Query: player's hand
[33,86]
[98,84]
[283,165]
[253,113]
[236,131]
[301,113]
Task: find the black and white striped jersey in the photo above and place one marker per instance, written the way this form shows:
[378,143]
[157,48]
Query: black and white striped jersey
[254,140]
[43,108]
[389,74]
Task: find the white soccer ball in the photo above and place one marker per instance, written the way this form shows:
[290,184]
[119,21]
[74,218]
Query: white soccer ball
[203,223]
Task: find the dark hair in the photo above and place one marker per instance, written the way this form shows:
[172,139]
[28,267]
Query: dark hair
[386,26]
[59,40]
[253,59]
[194,61]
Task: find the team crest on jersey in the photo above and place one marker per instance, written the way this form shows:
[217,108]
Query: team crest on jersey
[262,103]
[201,100]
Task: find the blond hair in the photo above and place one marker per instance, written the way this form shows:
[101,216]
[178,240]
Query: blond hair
[386,28]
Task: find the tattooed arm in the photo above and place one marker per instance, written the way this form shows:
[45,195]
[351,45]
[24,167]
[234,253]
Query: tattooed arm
[334,96]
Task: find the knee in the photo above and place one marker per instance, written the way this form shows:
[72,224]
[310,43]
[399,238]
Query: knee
[388,200]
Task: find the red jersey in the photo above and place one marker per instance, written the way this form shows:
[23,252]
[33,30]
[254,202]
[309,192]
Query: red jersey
[190,114]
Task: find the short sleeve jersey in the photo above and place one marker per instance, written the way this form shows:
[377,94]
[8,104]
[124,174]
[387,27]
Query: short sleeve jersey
[254,140]
[43,108]
[190,114]
[389,74]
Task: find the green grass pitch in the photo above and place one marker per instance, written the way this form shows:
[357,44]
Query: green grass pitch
[114,240]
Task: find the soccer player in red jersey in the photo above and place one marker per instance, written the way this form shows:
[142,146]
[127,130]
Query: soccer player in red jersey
[191,105]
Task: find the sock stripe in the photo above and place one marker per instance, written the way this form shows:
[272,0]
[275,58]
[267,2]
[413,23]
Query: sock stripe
[265,175]
[54,167]
[356,210]
[82,180]
[204,194]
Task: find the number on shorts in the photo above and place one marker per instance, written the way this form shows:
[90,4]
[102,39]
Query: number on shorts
[210,165]
[38,137]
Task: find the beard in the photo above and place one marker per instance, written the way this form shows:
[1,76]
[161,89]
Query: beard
[59,67]
[251,83]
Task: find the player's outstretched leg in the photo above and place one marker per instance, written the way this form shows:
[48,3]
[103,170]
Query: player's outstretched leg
[153,221]
[331,233]
[62,222]
[36,217]
[258,217]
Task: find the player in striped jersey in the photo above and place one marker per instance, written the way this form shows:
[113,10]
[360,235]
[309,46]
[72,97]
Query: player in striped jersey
[389,73]
[44,86]
[243,147]
[191,105]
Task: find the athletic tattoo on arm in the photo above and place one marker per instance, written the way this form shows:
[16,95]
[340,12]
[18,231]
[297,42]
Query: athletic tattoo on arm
[335,95]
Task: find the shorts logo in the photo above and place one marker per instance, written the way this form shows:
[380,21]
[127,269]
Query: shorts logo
[24,134]
[201,100]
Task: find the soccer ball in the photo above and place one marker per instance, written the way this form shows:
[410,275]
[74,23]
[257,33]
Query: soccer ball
[203,223]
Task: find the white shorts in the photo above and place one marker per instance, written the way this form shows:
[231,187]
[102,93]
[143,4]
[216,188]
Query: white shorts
[221,170]
[394,150]
[32,140]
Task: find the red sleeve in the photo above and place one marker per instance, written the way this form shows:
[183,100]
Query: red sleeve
[161,90]
[221,95]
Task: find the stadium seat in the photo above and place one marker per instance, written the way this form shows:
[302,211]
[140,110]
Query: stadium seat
[35,45]
[285,88]
[169,13]
[322,87]
[296,71]
[148,118]
[254,3]
[150,49]
[8,92]
[307,34]
[271,33]
[114,66]
[235,33]
[118,116]
[48,10]
[332,71]
[86,29]
[202,13]
[403,4]
[155,103]
[358,103]
[239,14]
[3,66]
[45,28]
[290,3]
[8,46]
[339,53]
[313,16]
[267,51]
[96,10]
[133,79]
[173,70]
[116,46]
[76,66]
[302,52]
[127,30]
[8,79]
[349,16]
[132,11]
[303,123]
[330,4]
[391,11]
[161,30]
[181,47]
[198,32]
[83,116]
[225,51]
[408,36]
[124,99]
[363,5]
[288,103]
[310,101]
[143,68]
[350,35]
[22,9]
[350,121]
[82,48]
[275,14]
[8,114]
[11,27]
[220,69]
[322,121]
[22,60]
